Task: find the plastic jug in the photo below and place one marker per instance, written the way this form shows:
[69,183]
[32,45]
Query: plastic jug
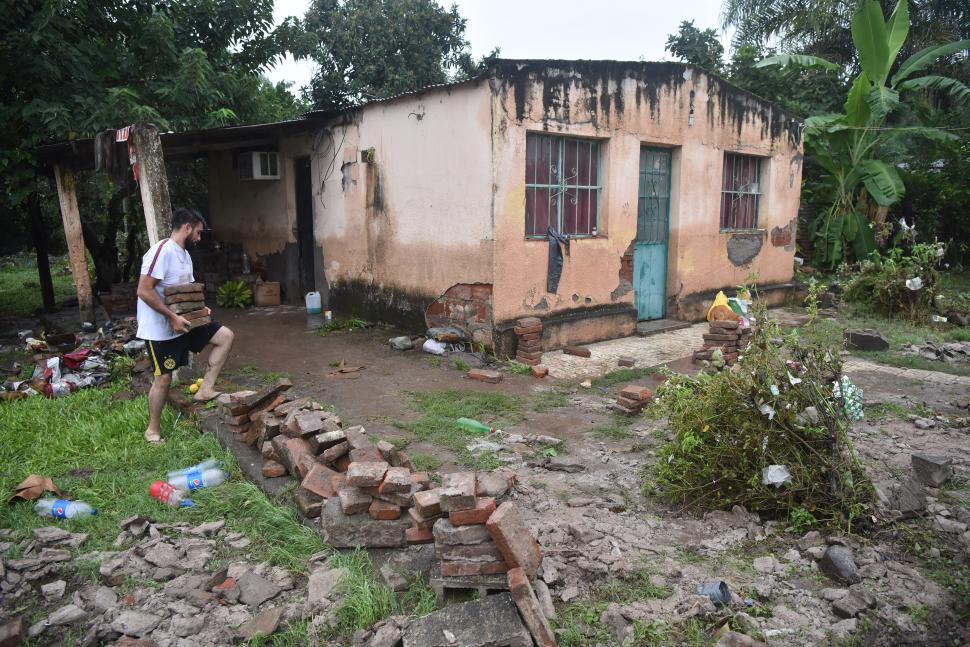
[313,304]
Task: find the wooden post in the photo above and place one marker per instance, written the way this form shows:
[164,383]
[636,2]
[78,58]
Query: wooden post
[67,197]
[153,182]
[38,233]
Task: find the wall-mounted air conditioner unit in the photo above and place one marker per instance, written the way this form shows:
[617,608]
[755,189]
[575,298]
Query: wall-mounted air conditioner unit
[255,165]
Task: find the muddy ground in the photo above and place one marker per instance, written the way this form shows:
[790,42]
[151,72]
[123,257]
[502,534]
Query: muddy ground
[599,530]
[596,525]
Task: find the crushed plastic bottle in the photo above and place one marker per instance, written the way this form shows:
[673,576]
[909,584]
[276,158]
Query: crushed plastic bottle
[474,426]
[169,495]
[201,467]
[198,479]
[63,509]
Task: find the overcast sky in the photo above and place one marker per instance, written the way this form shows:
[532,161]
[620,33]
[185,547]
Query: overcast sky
[624,30]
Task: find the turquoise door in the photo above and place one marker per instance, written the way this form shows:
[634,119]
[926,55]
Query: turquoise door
[650,247]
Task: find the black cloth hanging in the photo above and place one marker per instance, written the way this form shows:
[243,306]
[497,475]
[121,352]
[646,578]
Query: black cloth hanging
[555,259]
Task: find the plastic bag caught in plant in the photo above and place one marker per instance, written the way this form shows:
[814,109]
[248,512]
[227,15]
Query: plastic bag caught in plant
[234,294]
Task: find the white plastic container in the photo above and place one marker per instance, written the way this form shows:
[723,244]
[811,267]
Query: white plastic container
[313,303]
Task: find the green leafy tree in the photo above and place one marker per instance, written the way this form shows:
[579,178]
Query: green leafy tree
[700,48]
[72,69]
[858,181]
[371,49]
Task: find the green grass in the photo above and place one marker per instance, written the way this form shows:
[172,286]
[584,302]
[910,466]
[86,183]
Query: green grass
[425,462]
[92,447]
[440,409]
[518,368]
[623,375]
[20,286]
[460,364]
[548,400]
[341,325]
[617,429]
[252,372]
[578,623]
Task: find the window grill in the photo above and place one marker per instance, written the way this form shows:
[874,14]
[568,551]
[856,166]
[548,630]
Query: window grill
[740,191]
[562,185]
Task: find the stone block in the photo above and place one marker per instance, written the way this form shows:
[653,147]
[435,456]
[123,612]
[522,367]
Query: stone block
[319,480]
[384,511]
[485,375]
[865,340]
[837,562]
[484,507]
[514,538]
[366,455]
[358,438]
[352,531]
[353,501]
[366,474]
[529,608]
[457,491]
[447,533]
[932,469]
[492,621]
[396,480]
[286,408]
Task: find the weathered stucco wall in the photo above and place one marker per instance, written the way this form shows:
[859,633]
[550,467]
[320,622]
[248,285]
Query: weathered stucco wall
[414,219]
[260,215]
[624,106]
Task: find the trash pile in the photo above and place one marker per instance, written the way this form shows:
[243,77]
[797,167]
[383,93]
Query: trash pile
[769,434]
[951,352]
[188,300]
[67,362]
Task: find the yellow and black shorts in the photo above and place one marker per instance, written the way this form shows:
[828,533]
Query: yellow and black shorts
[168,355]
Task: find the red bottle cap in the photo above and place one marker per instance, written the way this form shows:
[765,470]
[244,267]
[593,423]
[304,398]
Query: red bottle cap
[155,488]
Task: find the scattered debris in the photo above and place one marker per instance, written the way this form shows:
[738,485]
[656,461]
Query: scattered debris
[633,398]
[32,487]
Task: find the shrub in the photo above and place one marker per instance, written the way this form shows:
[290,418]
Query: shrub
[777,407]
[881,281]
[234,294]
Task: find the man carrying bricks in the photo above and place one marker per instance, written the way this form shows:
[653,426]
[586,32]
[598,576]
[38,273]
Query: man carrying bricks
[169,336]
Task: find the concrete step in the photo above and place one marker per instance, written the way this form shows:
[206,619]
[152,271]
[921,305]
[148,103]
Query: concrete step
[656,326]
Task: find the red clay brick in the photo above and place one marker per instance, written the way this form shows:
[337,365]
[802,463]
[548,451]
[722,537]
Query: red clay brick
[629,404]
[528,604]
[421,479]
[514,539]
[428,503]
[527,330]
[578,351]
[338,481]
[424,522]
[540,371]
[418,536]
[366,474]
[457,491]
[636,392]
[529,321]
[366,455]
[396,480]
[319,480]
[465,569]
[485,375]
[353,501]
[724,325]
[484,507]
[331,454]
[272,469]
[342,463]
[532,336]
[384,511]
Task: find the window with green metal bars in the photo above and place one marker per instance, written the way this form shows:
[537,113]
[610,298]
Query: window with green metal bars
[740,191]
[562,186]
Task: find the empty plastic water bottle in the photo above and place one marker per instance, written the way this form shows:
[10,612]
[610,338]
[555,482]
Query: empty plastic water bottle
[201,467]
[63,509]
[168,495]
[198,479]
[474,426]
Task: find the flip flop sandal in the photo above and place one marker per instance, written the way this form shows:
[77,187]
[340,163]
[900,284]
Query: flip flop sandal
[154,440]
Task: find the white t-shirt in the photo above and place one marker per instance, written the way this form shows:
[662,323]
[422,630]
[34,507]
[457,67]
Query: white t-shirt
[171,265]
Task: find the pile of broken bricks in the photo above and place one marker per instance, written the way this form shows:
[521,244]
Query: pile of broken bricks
[728,336]
[633,398]
[188,300]
[474,537]
[528,333]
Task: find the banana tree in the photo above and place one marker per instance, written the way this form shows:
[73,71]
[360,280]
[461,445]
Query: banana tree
[848,145]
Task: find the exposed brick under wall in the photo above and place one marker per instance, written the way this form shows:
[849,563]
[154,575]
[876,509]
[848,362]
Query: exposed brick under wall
[467,306]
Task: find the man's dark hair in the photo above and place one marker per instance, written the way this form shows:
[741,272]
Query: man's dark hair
[184,216]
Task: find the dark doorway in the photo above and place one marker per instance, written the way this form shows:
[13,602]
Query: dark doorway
[304,223]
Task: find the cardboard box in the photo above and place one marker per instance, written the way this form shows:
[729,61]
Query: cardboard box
[266,293]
